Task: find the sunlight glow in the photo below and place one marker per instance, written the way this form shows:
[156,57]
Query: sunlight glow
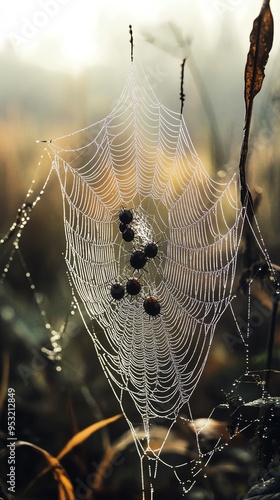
[77,37]
[71,35]
[78,51]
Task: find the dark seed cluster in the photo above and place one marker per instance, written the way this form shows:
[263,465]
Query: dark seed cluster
[117,291]
[151,306]
[126,217]
[138,260]
[133,286]
[151,250]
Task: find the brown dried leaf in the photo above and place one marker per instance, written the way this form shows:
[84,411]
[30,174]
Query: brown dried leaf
[85,433]
[261,39]
[65,488]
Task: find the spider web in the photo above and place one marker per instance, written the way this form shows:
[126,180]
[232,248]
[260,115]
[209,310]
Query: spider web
[140,158]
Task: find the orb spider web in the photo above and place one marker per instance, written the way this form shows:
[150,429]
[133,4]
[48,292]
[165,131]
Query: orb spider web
[140,160]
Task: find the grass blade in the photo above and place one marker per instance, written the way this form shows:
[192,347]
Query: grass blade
[65,488]
[84,434]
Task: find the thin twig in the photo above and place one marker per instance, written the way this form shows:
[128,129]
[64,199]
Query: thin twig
[270,342]
[182,95]
[131,42]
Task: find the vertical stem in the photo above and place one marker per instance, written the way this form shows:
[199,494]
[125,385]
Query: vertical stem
[245,191]
[271,340]
[131,42]
[182,95]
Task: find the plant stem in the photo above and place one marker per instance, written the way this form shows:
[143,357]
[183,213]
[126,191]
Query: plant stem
[271,340]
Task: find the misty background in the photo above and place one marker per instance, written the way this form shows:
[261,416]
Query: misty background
[64,64]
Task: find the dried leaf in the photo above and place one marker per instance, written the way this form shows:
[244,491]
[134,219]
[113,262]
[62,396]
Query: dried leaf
[85,433]
[64,485]
[65,488]
[261,39]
